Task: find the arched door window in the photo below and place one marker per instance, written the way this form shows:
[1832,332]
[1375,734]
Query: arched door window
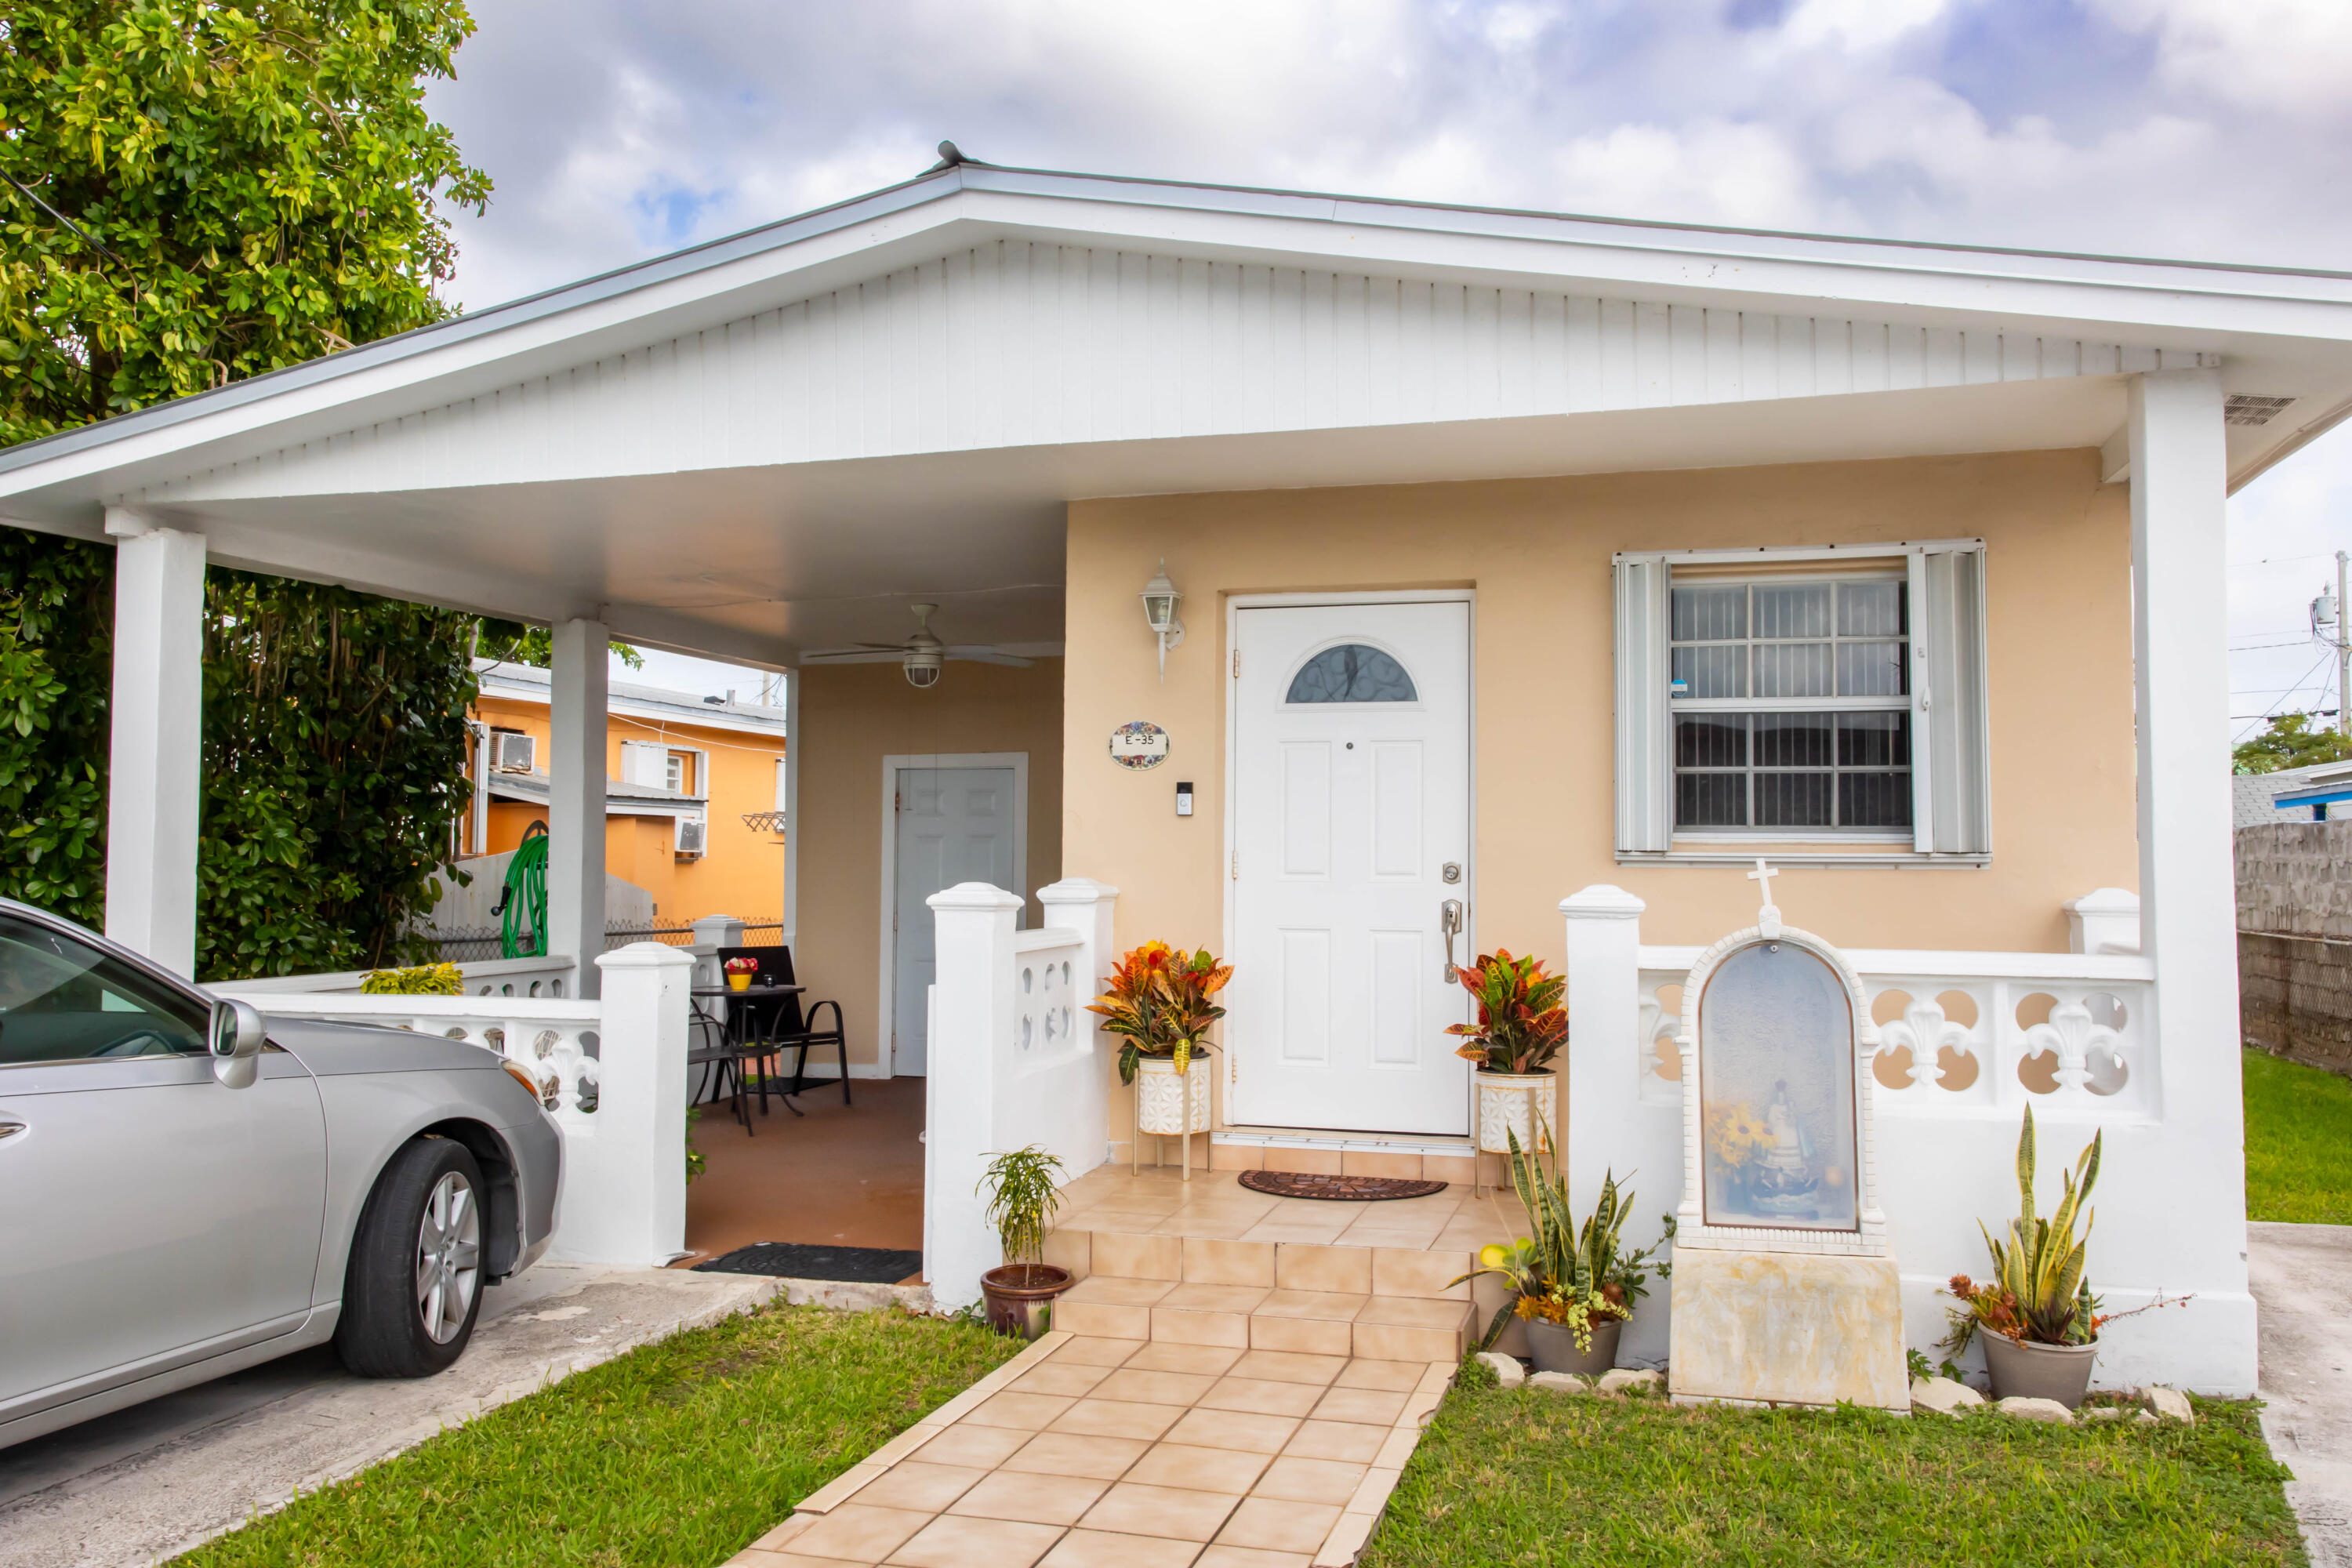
[1352,672]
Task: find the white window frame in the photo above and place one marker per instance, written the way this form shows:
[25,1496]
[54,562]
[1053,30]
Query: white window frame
[1652,727]
[1908,704]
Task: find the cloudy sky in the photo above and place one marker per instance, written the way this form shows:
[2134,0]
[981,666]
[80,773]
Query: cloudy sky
[2205,129]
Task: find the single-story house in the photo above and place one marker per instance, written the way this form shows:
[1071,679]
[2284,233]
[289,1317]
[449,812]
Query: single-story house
[1531,567]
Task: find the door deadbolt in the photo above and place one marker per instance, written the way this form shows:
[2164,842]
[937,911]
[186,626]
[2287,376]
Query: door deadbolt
[1452,873]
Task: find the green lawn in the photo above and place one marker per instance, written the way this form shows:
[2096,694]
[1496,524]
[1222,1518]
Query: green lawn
[679,1453]
[2298,1142]
[1529,1477]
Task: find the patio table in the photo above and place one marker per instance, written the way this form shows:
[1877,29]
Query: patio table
[698,995]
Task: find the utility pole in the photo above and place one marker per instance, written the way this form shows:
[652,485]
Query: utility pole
[2327,624]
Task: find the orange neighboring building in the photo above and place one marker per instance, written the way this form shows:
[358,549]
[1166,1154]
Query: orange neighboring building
[694,806]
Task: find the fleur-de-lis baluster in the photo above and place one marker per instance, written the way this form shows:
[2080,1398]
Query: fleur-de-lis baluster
[1928,1033]
[2073,1036]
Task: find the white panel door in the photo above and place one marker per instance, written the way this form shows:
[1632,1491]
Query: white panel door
[954,825]
[1351,798]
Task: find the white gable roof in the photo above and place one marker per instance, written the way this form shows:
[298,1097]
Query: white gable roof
[942,364]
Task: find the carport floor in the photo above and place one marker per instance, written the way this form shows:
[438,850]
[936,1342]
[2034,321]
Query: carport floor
[848,1174]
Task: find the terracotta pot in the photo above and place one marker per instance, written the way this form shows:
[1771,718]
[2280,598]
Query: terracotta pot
[1510,1102]
[1020,1297]
[2023,1371]
[1554,1347]
[739,982]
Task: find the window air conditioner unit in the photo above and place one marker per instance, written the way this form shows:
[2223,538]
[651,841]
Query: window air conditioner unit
[693,834]
[513,752]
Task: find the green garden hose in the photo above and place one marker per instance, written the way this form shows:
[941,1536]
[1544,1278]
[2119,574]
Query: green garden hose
[522,907]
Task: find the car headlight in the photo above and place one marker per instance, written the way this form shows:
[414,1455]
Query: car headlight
[522,1075]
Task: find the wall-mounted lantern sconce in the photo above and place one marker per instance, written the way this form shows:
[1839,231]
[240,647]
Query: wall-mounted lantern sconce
[1161,598]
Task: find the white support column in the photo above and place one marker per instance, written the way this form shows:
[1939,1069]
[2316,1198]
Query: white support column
[576,805]
[155,753]
[624,1197]
[1086,906]
[973,1009]
[2192,1171]
[791,806]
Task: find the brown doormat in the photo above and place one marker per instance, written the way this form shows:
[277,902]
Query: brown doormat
[1344,1189]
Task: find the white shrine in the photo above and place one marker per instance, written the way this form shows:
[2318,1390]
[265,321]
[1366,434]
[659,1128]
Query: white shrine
[1785,1287]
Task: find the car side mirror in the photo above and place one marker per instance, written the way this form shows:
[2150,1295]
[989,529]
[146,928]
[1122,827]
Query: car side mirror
[236,1038]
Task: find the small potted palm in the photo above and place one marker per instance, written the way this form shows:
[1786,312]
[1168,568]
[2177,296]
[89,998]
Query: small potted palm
[2036,1317]
[1571,1284]
[1021,1198]
[1521,1026]
[1160,1001]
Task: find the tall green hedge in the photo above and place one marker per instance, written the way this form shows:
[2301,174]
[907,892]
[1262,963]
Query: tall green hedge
[334,748]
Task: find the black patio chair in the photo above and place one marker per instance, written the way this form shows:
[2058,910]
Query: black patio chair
[724,1058]
[785,1024]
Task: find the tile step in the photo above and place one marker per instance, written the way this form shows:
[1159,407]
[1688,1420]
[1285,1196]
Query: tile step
[1368,1326]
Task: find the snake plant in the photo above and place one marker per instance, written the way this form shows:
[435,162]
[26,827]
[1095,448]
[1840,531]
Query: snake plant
[1566,1272]
[2038,1292]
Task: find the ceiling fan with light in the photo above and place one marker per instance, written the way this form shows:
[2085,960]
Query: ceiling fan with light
[921,656]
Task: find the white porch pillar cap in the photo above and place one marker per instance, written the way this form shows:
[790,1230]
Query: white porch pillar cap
[1602,901]
[645,955]
[2104,901]
[973,896]
[1074,890]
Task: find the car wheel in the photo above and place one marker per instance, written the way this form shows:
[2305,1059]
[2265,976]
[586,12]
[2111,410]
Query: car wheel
[415,1284]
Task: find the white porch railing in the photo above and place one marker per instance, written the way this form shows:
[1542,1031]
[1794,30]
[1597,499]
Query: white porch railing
[550,976]
[1967,1040]
[1013,1058]
[612,1073]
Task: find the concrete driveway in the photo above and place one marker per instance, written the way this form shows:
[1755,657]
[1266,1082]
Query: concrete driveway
[143,1484]
[2302,1276]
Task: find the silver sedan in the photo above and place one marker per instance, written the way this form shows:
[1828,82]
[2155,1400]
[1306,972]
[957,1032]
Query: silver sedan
[188,1189]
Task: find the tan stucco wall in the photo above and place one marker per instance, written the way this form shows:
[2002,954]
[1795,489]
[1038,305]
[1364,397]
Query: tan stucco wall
[1537,553]
[851,717]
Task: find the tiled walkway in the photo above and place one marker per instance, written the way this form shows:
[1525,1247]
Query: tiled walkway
[1130,1454]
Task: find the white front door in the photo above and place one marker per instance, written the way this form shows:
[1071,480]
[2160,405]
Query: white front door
[1352,811]
[953,824]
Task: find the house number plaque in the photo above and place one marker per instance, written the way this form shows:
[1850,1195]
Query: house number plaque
[1138,744]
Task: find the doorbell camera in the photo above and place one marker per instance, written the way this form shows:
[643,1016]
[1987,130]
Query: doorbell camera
[1184,799]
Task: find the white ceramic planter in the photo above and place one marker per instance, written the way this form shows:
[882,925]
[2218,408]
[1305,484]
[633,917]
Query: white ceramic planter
[1160,1095]
[1511,1102]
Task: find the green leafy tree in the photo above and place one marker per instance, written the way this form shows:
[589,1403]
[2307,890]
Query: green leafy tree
[518,642]
[199,191]
[193,192]
[2290,742]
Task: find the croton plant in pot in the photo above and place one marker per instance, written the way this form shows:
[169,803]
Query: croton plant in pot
[1521,1025]
[1160,1000]
[1573,1285]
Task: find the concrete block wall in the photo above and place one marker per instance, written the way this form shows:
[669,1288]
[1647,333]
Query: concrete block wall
[2295,940]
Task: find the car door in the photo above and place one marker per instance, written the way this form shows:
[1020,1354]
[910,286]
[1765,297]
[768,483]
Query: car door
[149,1215]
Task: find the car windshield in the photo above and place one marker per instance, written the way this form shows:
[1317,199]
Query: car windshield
[63,1000]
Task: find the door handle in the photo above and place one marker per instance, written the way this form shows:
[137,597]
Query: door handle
[9,1127]
[1449,921]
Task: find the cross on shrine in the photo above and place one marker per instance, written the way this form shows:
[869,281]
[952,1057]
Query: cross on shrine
[1768,919]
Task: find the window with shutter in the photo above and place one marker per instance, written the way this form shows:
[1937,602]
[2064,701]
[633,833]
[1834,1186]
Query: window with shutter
[1828,696]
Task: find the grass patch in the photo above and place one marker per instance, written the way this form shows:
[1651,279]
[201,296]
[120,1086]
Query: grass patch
[681,1452]
[1526,1476]
[2298,1142]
